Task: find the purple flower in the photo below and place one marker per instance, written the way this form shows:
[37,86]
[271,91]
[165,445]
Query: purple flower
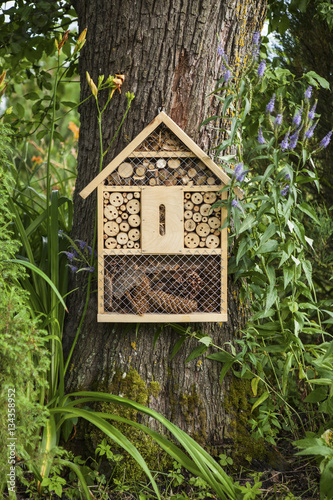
[287,177]
[82,244]
[326,140]
[309,132]
[236,204]
[227,75]
[312,111]
[239,172]
[220,51]
[70,256]
[261,68]
[270,105]
[294,139]
[285,142]
[256,38]
[298,118]
[261,139]
[74,269]
[278,120]
[285,190]
[308,92]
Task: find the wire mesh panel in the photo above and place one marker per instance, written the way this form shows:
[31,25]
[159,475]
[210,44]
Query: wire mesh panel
[173,284]
[162,160]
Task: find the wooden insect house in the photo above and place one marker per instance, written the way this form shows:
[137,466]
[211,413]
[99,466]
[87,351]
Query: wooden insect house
[162,256]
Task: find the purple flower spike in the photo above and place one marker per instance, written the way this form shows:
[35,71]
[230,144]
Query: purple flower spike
[308,92]
[74,269]
[326,140]
[287,177]
[309,132]
[256,38]
[261,139]
[298,118]
[284,191]
[239,172]
[220,51]
[82,244]
[261,68]
[70,256]
[293,140]
[227,75]
[312,111]
[278,120]
[270,105]
[285,142]
[235,203]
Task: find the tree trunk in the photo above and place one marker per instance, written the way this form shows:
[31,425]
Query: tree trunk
[168,53]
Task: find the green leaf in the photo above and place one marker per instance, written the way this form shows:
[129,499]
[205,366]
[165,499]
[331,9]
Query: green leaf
[43,275]
[206,340]
[268,247]
[317,395]
[254,385]
[247,223]
[259,401]
[177,346]
[198,351]
[313,78]
[271,298]
[288,275]
[307,209]
[69,104]
[307,268]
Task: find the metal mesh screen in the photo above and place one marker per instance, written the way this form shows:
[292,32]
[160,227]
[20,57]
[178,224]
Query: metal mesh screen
[162,160]
[173,284]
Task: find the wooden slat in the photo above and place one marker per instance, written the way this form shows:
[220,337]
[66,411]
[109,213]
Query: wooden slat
[172,241]
[224,259]
[161,154]
[100,245]
[123,188]
[162,318]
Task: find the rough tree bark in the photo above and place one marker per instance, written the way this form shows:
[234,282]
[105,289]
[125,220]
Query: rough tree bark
[168,52]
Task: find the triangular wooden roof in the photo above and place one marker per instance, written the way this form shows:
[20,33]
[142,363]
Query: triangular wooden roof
[160,118]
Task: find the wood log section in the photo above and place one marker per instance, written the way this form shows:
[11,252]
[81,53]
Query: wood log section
[116,199]
[129,196]
[170,181]
[173,163]
[106,195]
[201,179]
[110,212]
[110,243]
[187,196]
[210,181]
[124,215]
[161,163]
[130,244]
[134,234]
[188,214]
[133,206]
[212,241]
[206,209]
[140,171]
[188,205]
[210,197]
[124,227]
[197,198]
[122,238]
[119,219]
[111,228]
[136,195]
[192,240]
[192,172]
[202,229]
[125,170]
[214,222]
[134,220]
[204,219]
[153,181]
[190,225]
[197,217]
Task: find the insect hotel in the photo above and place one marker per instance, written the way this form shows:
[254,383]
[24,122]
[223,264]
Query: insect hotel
[162,256]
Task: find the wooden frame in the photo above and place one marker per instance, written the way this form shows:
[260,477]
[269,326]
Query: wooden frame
[147,201]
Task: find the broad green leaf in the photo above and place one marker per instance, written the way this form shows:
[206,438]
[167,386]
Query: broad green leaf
[313,78]
[206,340]
[259,401]
[271,298]
[198,351]
[307,268]
[254,385]
[247,223]
[268,247]
[307,209]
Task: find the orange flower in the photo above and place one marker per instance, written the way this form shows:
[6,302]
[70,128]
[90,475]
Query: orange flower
[37,159]
[75,129]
